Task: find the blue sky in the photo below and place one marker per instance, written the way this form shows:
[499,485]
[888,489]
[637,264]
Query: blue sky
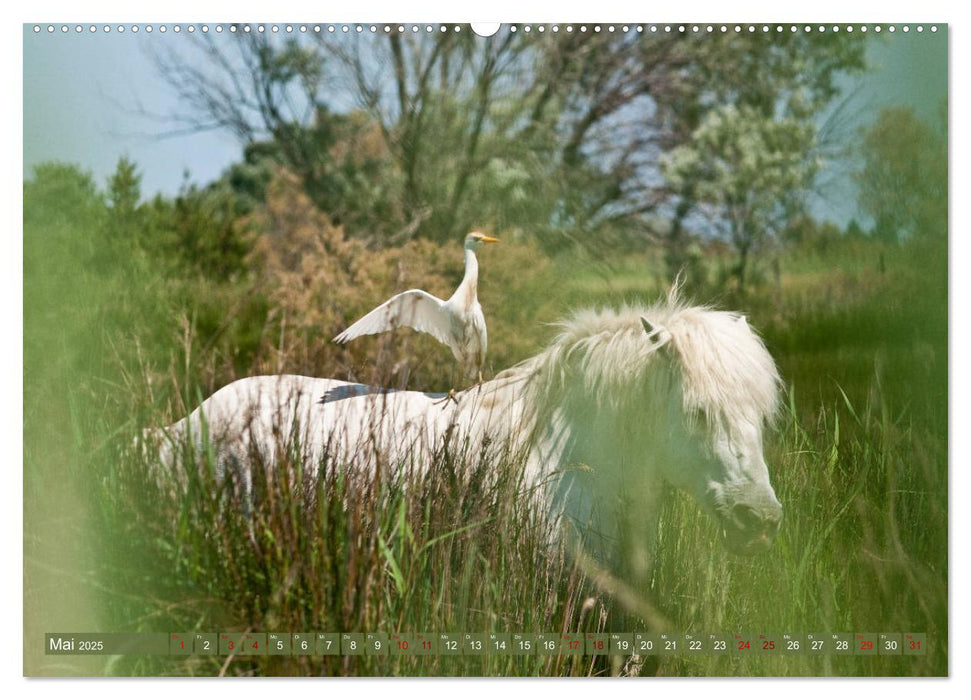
[85,94]
[82,95]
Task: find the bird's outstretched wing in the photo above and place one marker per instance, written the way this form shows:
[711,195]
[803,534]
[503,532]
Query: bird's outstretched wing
[414,308]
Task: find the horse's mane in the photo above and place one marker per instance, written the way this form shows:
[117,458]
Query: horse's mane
[724,369]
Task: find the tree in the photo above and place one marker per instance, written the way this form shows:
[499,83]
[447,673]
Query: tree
[903,180]
[124,186]
[853,231]
[62,204]
[202,230]
[123,195]
[61,194]
[747,173]
[555,134]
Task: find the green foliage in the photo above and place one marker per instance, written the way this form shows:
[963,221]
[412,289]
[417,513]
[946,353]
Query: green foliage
[860,548]
[207,233]
[807,234]
[64,239]
[126,221]
[343,167]
[555,136]
[249,178]
[124,188]
[60,195]
[748,171]
[903,180]
[854,230]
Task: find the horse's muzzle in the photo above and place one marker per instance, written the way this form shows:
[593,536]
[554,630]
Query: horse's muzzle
[749,529]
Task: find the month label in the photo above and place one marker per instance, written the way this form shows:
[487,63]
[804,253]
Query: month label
[579,644]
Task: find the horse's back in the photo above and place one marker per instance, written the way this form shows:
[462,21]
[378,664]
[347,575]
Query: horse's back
[247,412]
[261,415]
[267,397]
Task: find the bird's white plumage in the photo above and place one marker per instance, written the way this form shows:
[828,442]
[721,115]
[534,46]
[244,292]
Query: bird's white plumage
[458,322]
[415,308]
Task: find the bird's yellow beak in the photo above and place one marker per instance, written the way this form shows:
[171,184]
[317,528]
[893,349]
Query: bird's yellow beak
[489,239]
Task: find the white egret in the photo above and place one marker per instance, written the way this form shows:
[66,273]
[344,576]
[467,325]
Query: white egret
[457,322]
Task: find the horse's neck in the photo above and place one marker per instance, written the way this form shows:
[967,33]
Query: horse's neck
[613,443]
[559,431]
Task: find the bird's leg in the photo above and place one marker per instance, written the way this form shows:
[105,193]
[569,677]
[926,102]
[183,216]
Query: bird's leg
[459,378]
[450,396]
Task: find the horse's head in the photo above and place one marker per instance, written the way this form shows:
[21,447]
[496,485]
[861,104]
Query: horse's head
[733,486]
[726,388]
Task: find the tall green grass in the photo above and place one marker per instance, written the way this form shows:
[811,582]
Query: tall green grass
[324,547]
[863,548]
[459,548]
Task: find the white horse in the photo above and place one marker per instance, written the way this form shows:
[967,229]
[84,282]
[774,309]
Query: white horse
[618,404]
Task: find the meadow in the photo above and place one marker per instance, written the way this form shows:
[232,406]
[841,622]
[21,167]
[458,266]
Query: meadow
[115,340]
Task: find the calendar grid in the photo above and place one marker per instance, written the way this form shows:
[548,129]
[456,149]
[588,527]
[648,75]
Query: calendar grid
[473,644]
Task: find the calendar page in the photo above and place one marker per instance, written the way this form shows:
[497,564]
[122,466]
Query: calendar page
[491,350]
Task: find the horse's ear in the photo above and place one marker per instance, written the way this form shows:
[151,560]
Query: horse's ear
[742,320]
[655,331]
